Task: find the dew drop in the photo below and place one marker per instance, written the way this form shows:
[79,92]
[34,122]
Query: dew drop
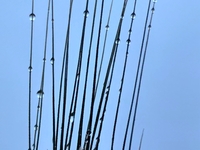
[71,119]
[30,69]
[52,61]
[32,16]
[35,127]
[107,27]
[117,41]
[40,94]
[149,26]
[86,13]
[128,41]
[133,15]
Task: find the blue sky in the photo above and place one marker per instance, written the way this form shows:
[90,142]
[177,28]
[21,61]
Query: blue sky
[169,97]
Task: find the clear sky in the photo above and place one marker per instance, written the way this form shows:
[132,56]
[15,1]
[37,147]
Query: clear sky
[169,98]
